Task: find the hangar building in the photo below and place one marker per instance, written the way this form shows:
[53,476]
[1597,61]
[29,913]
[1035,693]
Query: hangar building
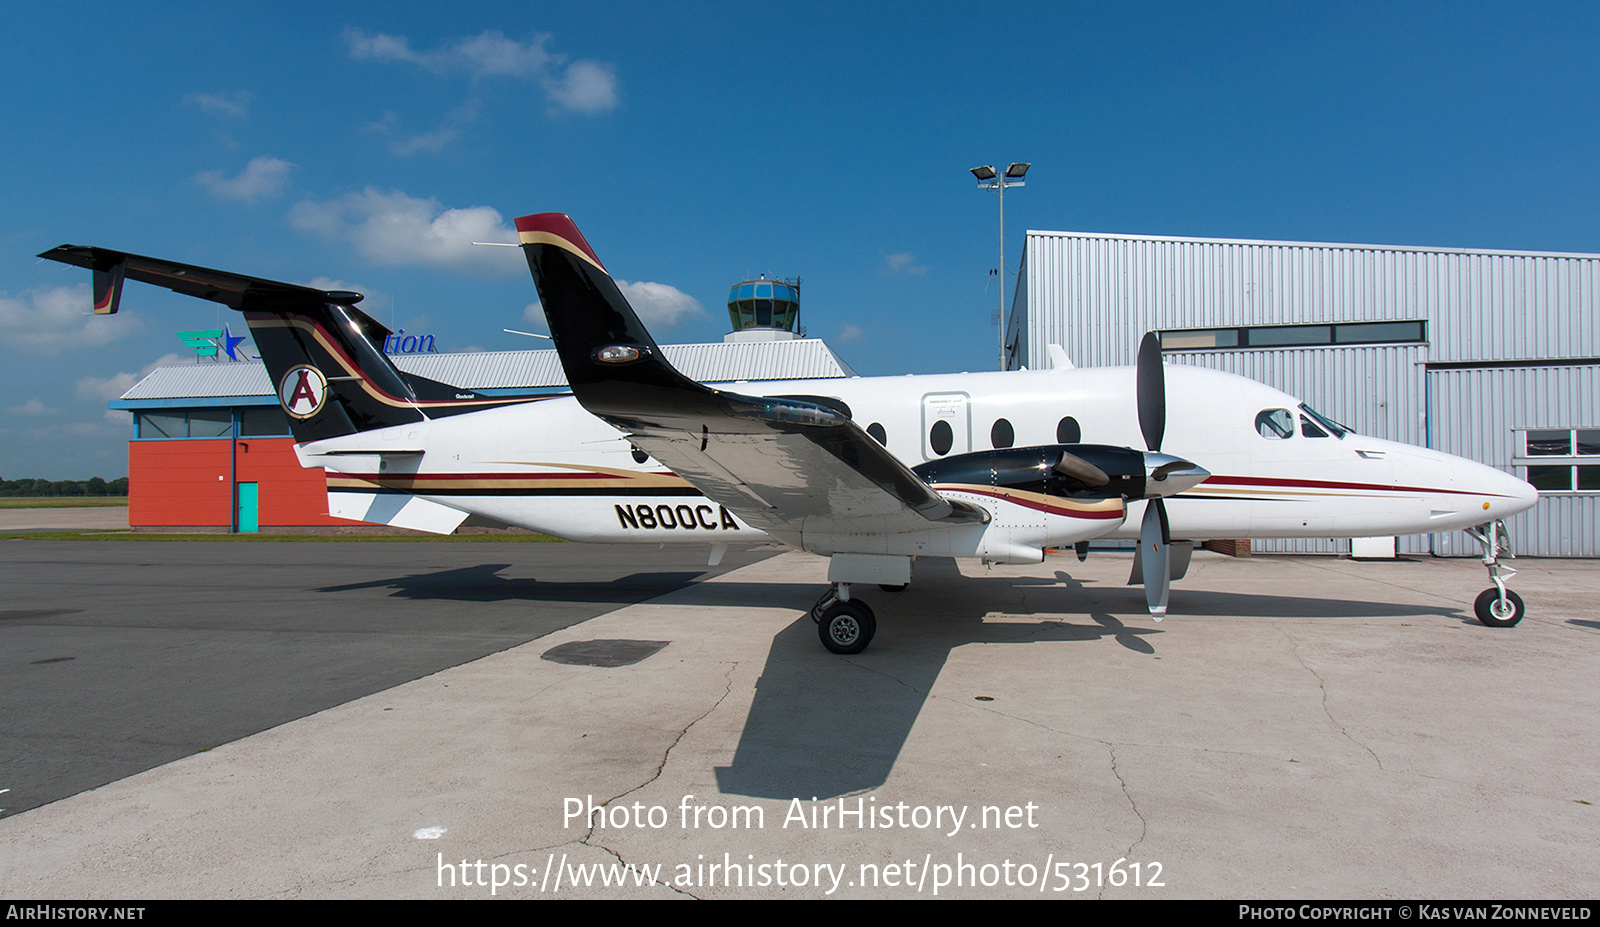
[1489,355]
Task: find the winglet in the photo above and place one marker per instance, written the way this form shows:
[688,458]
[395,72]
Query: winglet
[555,228]
[108,287]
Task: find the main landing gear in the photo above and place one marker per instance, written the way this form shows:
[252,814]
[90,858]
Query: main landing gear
[1497,607]
[845,626]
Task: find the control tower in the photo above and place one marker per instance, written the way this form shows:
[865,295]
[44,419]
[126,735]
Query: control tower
[764,310]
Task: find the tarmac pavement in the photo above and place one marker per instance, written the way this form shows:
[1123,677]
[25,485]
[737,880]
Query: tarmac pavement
[1297,728]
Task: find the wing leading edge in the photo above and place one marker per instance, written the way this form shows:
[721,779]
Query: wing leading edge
[785,466]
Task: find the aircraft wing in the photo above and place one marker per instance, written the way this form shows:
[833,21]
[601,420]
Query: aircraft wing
[785,466]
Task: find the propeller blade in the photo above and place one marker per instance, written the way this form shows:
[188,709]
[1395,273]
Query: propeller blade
[1151,390]
[1081,470]
[1154,537]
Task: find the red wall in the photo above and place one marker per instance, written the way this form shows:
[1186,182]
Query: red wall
[179,483]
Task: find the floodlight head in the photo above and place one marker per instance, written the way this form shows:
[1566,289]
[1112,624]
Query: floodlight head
[986,172]
[1018,169]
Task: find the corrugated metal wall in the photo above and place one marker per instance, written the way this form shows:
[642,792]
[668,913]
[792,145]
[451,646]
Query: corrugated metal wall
[1096,295]
[1477,413]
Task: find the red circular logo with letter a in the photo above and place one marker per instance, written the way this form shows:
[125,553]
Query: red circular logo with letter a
[302,391]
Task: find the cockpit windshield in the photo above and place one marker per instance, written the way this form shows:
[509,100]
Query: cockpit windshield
[1336,429]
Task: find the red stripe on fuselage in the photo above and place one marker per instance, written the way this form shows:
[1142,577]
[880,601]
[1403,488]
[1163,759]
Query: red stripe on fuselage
[1268,482]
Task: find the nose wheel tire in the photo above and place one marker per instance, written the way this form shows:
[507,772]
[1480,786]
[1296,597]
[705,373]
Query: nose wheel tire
[847,627]
[1493,613]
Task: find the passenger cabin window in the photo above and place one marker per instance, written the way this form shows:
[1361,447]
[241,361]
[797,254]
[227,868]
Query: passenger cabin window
[878,434]
[638,455]
[941,438]
[1002,435]
[1275,423]
[1068,432]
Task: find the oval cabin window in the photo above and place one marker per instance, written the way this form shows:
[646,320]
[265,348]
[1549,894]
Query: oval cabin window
[1068,432]
[878,434]
[941,438]
[1001,435]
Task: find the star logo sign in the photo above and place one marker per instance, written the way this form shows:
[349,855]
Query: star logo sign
[229,342]
[302,391]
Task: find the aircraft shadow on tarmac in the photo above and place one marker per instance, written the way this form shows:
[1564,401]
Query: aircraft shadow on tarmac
[823,725]
[483,583]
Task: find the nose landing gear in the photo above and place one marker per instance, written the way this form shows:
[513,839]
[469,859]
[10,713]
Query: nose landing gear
[1497,607]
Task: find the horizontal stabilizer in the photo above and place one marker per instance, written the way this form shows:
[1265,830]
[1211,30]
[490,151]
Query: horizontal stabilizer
[237,291]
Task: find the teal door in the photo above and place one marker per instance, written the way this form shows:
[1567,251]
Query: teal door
[247,509]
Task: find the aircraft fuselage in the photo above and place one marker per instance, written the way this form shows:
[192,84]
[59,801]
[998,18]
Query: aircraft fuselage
[1276,471]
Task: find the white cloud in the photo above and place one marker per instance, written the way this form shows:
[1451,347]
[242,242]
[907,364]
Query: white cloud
[220,104]
[851,332]
[583,86]
[105,389]
[395,229]
[49,321]
[660,304]
[657,304]
[263,176]
[487,54]
[449,130]
[31,407]
[904,263]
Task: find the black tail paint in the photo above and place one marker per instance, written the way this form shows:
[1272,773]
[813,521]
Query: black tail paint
[324,356]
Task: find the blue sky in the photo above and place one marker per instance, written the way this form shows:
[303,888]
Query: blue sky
[696,144]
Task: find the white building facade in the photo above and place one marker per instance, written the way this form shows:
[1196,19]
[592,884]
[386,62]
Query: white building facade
[1489,355]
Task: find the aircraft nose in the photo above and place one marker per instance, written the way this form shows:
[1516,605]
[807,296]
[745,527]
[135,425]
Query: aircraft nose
[1518,495]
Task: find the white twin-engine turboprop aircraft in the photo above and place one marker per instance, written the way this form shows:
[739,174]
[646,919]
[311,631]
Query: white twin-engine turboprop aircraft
[871,472]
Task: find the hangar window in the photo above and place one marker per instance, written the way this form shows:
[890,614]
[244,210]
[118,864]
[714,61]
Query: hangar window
[262,423]
[1002,435]
[1566,460]
[163,425]
[941,438]
[1275,423]
[210,423]
[878,434]
[1068,432]
[1294,336]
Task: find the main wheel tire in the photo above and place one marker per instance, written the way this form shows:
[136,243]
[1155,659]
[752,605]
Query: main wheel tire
[847,627]
[1492,613]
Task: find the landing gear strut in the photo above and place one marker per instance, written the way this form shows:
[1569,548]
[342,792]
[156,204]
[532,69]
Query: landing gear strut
[1497,607]
[845,626]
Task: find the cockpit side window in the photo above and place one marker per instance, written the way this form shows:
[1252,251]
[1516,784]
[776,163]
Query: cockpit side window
[1310,430]
[1333,427]
[1275,423]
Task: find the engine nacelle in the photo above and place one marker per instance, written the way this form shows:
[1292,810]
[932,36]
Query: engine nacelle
[1090,471]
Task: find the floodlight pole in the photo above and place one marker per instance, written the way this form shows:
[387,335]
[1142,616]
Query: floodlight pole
[990,179]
